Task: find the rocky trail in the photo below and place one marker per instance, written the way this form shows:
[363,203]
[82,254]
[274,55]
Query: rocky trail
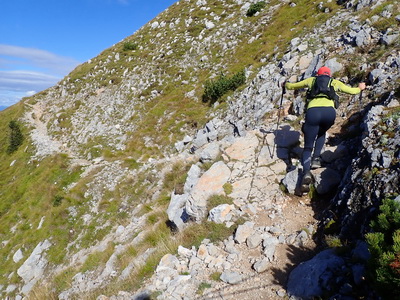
[44,143]
[263,168]
[256,261]
[277,230]
[297,218]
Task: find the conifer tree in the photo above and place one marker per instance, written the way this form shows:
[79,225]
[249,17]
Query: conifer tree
[384,245]
[16,137]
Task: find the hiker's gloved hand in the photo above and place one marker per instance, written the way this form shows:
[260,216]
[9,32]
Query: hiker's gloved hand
[361,85]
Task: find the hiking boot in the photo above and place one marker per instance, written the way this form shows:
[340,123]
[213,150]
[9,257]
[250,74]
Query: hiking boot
[305,188]
[305,182]
[316,163]
[307,178]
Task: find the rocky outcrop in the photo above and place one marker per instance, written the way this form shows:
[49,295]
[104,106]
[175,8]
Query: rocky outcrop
[243,144]
[34,267]
[372,175]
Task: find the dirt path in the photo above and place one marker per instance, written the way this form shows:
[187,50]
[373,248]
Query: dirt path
[298,214]
[44,143]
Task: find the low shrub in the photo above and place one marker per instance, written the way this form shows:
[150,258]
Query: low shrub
[129,46]
[16,137]
[255,8]
[384,246]
[214,90]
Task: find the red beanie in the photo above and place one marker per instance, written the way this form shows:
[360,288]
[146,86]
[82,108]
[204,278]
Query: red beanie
[324,71]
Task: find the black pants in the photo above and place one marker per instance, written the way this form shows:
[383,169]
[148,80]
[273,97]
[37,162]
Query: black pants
[318,121]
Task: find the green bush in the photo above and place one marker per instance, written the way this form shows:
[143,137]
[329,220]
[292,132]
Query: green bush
[130,46]
[214,90]
[384,246]
[255,8]
[57,200]
[16,137]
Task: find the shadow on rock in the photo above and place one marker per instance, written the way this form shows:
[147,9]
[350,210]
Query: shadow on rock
[286,139]
[296,255]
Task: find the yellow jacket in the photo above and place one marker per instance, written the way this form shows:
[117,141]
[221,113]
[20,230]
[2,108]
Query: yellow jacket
[322,101]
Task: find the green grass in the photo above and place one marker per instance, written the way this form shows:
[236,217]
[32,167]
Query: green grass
[97,259]
[216,276]
[333,241]
[32,190]
[228,188]
[383,23]
[216,200]
[203,286]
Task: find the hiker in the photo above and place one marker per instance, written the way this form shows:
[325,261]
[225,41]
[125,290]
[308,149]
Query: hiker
[320,116]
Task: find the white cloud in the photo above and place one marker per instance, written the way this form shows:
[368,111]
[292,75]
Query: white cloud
[14,55]
[30,93]
[24,70]
[8,98]
[26,80]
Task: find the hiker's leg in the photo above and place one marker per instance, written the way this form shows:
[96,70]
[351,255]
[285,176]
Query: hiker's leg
[319,144]
[311,129]
[327,119]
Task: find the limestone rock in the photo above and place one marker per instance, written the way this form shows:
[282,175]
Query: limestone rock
[244,148]
[210,183]
[231,277]
[33,268]
[244,231]
[221,213]
[326,180]
[304,279]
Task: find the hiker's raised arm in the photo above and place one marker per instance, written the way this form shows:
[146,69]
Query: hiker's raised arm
[306,83]
[341,87]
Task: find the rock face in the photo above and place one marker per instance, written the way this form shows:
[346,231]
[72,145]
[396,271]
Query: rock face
[210,183]
[305,280]
[372,175]
[247,151]
[33,268]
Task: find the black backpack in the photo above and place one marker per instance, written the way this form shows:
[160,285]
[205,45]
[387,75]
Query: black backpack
[322,87]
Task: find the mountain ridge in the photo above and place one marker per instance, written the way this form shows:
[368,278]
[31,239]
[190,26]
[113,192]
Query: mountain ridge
[102,142]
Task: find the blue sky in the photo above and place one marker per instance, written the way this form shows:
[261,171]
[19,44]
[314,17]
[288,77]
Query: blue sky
[41,41]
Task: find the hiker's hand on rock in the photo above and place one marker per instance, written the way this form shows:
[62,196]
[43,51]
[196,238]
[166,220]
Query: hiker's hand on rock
[361,85]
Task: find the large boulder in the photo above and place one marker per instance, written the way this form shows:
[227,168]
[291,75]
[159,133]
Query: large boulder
[176,210]
[210,183]
[33,268]
[326,180]
[244,148]
[305,280]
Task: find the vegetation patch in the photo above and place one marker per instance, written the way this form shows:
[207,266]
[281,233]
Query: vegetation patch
[255,8]
[130,46]
[228,188]
[202,287]
[384,246]
[16,137]
[216,276]
[215,89]
[333,241]
[216,200]
[98,258]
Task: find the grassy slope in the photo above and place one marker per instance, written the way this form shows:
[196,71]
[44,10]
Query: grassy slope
[33,190]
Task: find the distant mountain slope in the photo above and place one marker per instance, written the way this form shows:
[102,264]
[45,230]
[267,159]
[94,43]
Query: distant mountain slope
[84,198]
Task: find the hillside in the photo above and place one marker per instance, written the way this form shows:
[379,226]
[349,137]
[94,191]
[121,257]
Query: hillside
[134,181]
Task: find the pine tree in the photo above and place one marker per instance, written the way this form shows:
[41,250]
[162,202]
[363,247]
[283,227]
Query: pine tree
[16,137]
[384,246]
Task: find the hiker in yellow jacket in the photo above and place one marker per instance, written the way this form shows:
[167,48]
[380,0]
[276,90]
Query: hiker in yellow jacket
[320,116]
